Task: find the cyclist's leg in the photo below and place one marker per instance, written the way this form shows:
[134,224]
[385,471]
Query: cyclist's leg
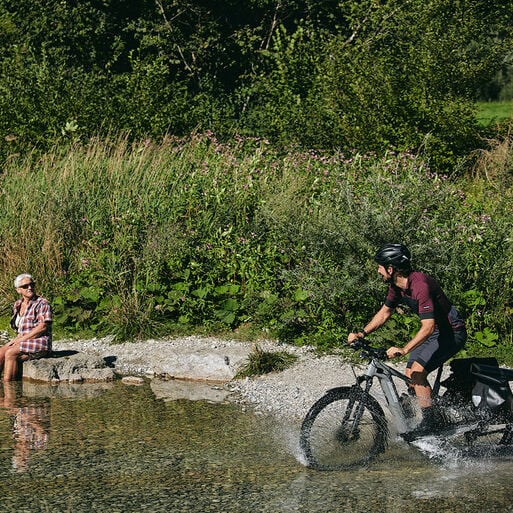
[418,368]
[427,357]
[448,344]
[418,375]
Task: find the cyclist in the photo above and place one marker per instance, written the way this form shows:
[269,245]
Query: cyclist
[442,332]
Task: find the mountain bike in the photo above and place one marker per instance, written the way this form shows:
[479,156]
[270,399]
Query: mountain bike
[347,427]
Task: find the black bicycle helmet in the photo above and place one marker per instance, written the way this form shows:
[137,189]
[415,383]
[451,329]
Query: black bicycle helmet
[396,255]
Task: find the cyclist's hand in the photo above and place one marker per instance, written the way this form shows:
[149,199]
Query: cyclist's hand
[392,352]
[353,336]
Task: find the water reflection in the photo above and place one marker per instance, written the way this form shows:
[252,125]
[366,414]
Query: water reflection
[30,423]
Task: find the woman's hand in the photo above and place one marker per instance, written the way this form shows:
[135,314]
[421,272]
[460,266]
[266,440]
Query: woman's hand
[393,352]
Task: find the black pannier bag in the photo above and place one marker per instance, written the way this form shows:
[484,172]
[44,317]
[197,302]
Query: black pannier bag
[491,388]
[461,381]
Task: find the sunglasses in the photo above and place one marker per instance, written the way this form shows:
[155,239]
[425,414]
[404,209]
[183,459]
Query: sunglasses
[27,285]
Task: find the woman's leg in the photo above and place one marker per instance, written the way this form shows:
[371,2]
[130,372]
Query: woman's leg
[3,349]
[11,362]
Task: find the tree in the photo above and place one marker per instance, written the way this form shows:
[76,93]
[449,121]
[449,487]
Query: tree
[363,76]
[394,74]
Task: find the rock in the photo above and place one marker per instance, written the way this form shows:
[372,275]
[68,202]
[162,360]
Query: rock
[190,390]
[187,358]
[70,367]
[132,380]
[203,364]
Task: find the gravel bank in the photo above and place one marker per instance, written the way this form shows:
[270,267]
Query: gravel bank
[287,394]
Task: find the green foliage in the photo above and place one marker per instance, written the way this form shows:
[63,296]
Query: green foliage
[262,362]
[487,337]
[394,75]
[132,237]
[139,239]
[352,76]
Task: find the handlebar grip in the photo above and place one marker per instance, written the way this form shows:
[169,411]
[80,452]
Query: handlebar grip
[359,343]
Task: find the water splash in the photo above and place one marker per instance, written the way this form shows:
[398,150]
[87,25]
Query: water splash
[451,455]
[437,448]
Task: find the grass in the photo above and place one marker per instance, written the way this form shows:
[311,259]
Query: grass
[494,112]
[142,239]
[262,362]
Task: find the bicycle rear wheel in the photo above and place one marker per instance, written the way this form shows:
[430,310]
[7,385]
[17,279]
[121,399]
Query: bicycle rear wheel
[345,428]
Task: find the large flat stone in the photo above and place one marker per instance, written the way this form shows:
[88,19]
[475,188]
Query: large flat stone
[203,364]
[186,359]
[69,367]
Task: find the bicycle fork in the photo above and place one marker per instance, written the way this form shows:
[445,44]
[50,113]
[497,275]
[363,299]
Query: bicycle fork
[352,416]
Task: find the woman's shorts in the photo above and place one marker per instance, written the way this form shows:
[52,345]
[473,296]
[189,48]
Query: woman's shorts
[35,356]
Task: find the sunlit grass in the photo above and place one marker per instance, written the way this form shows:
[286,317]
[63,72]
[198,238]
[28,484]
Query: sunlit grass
[262,362]
[146,238]
[494,112]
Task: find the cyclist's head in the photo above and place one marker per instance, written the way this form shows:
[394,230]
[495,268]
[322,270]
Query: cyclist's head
[396,256]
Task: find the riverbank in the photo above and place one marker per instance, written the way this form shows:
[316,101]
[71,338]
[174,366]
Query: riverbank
[215,362]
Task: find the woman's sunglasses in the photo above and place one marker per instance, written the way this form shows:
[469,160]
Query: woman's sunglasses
[27,285]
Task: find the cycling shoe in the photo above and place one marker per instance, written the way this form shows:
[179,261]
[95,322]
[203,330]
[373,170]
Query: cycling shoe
[431,424]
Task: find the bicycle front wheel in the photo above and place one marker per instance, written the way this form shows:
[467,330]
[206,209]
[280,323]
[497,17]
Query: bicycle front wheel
[345,428]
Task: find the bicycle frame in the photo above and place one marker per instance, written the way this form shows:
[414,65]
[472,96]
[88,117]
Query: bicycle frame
[384,374]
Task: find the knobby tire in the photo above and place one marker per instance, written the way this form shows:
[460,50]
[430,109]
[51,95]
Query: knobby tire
[333,439]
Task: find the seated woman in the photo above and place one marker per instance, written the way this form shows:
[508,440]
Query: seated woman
[32,320]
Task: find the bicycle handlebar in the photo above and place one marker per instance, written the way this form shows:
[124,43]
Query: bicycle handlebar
[367,351]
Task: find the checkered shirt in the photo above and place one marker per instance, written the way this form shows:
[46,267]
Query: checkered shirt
[38,310]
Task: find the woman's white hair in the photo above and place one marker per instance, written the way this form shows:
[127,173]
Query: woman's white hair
[20,277]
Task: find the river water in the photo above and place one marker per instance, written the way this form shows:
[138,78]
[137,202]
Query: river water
[117,448]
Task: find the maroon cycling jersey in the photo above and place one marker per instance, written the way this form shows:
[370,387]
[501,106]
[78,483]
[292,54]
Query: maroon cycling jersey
[424,296]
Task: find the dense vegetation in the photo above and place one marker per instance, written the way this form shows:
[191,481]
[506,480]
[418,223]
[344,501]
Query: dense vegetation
[141,239]
[174,166]
[353,75]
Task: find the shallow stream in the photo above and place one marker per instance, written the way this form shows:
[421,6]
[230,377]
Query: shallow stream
[117,448]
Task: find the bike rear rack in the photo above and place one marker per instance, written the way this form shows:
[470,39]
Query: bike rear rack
[491,374]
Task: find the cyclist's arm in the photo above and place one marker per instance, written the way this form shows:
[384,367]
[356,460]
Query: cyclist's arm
[382,316]
[427,326]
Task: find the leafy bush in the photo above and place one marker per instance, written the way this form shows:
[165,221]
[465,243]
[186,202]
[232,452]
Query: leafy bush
[390,75]
[357,76]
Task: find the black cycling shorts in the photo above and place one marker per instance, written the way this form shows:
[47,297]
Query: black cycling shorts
[438,348]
